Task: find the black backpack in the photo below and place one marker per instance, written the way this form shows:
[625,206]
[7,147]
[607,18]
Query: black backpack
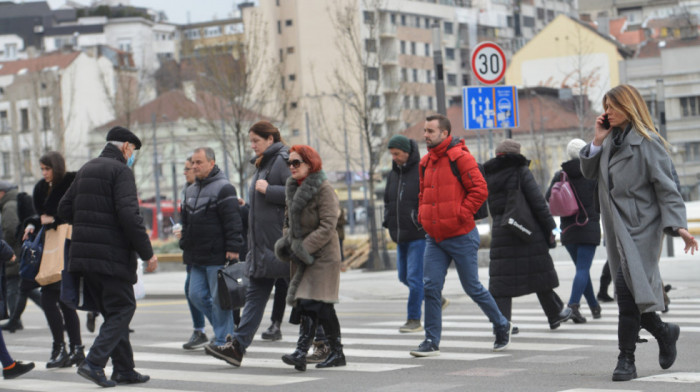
[25,210]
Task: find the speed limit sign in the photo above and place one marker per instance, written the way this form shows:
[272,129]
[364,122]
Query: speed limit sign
[488,63]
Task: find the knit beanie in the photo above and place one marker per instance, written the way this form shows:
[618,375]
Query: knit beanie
[575,145]
[401,142]
[508,146]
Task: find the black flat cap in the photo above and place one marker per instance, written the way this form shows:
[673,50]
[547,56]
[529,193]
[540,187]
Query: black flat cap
[121,134]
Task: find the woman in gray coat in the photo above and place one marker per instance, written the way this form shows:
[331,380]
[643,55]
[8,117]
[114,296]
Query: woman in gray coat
[310,244]
[639,203]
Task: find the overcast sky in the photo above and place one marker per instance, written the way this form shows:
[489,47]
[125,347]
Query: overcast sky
[177,10]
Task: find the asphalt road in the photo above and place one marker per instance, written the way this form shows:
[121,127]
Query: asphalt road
[577,357]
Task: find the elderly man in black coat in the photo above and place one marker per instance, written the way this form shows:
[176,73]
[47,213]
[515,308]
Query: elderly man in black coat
[108,233]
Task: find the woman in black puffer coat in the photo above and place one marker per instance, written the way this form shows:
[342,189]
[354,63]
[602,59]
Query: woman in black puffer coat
[47,194]
[579,235]
[518,267]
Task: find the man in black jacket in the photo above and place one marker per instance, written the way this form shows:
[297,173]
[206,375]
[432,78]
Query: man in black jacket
[108,233]
[401,218]
[211,235]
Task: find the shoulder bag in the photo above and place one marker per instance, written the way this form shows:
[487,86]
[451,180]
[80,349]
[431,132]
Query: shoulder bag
[517,216]
[232,285]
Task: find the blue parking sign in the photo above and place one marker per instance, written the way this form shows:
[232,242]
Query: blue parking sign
[490,107]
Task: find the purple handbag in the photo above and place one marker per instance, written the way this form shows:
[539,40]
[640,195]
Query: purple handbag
[562,200]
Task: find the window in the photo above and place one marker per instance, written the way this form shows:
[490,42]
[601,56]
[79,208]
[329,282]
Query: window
[428,76]
[192,129]
[450,53]
[403,20]
[371,45]
[368,17]
[540,13]
[125,45]
[26,162]
[413,48]
[282,82]
[430,103]
[4,125]
[373,73]
[377,130]
[24,118]
[375,101]
[690,106]
[415,75]
[290,50]
[288,22]
[692,151]
[448,27]
[451,79]
[279,27]
[404,75]
[416,102]
[427,49]
[6,168]
[10,51]
[550,15]
[292,77]
[509,21]
[403,47]
[292,105]
[393,19]
[46,118]
[528,21]
[295,132]
[407,102]
[281,55]
[427,23]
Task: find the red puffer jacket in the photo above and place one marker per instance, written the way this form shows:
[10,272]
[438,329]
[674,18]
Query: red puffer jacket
[446,209]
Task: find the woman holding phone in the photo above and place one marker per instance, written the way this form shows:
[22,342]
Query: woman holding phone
[639,203]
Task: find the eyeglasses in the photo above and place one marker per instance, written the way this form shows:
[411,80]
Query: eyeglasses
[295,163]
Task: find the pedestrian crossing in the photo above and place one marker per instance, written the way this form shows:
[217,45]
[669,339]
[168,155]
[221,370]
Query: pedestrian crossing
[374,348]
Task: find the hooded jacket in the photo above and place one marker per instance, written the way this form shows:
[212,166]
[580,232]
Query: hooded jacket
[401,199]
[446,207]
[103,207]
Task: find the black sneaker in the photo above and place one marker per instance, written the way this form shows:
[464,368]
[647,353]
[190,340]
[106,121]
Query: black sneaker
[197,340]
[132,377]
[426,349]
[230,351]
[503,337]
[19,369]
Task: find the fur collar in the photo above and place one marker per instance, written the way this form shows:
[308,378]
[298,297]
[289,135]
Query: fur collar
[298,197]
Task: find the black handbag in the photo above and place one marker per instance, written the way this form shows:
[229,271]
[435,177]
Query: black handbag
[232,285]
[517,216]
[30,257]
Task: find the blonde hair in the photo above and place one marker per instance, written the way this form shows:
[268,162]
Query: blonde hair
[628,101]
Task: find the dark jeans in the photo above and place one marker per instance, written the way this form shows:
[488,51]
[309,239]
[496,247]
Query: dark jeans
[116,302]
[549,301]
[630,319]
[5,357]
[58,315]
[18,291]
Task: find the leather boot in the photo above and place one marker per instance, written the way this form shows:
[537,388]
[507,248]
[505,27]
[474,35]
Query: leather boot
[273,332]
[595,311]
[625,369]
[59,356]
[336,357]
[576,315]
[666,335]
[76,355]
[307,331]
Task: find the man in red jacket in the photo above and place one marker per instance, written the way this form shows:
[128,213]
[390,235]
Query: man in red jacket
[446,209]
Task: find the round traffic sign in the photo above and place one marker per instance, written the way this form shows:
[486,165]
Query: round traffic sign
[488,63]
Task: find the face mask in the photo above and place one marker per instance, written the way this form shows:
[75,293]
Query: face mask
[130,161]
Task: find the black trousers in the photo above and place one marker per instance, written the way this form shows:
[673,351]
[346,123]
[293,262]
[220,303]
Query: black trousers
[630,319]
[280,300]
[549,300]
[116,302]
[59,315]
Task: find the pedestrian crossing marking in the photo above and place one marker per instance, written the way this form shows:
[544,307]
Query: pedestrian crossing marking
[542,326]
[687,378]
[600,390]
[487,333]
[26,383]
[355,352]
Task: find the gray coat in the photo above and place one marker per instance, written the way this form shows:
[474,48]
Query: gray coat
[267,214]
[639,202]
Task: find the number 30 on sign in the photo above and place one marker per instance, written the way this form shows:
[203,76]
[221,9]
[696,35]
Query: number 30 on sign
[488,63]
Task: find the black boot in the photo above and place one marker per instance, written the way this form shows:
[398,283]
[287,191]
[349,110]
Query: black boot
[59,356]
[307,331]
[336,357]
[625,369]
[576,315]
[273,332]
[12,325]
[666,335]
[76,355]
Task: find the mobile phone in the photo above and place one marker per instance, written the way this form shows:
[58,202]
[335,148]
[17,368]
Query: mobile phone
[606,122]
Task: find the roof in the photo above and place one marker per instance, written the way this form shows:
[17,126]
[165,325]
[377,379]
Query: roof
[652,48]
[619,30]
[71,29]
[173,106]
[540,109]
[624,51]
[23,10]
[55,59]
